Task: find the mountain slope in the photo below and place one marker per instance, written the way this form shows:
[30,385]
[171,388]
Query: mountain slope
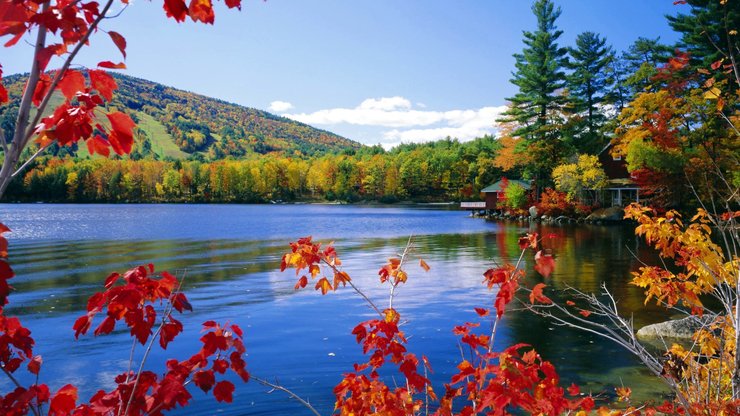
[177,124]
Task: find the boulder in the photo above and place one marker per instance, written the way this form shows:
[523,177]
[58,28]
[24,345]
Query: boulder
[611,214]
[533,211]
[676,328]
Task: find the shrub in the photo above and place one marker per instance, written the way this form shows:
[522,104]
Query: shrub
[554,203]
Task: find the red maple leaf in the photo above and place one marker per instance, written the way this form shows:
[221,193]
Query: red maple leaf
[103,83]
[544,263]
[63,401]
[537,296]
[71,83]
[223,392]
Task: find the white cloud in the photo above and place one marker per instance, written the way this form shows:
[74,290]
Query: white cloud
[280,106]
[406,124]
[385,104]
[463,125]
[369,117]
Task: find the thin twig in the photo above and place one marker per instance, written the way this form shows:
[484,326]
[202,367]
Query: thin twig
[31,159]
[3,142]
[288,392]
[394,284]
[359,292]
[167,311]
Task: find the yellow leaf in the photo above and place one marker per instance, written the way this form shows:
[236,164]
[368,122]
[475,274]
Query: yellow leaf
[401,276]
[712,94]
[624,393]
[391,315]
[323,285]
[423,265]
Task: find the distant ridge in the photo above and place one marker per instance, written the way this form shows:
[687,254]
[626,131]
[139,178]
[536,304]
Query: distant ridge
[179,124]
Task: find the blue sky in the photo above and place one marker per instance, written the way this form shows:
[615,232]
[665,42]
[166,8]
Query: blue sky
[375,71]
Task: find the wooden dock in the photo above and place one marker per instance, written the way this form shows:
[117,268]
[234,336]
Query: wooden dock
[473,205]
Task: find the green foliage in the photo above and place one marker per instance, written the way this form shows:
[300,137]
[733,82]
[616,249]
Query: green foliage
[539,74]
[646,154]
[641,62]
[516,196]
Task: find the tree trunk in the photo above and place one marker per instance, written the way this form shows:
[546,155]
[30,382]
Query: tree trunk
[13,150]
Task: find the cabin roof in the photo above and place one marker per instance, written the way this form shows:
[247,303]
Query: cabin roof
[496,187]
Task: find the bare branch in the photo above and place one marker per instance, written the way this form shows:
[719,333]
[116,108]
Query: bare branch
[275,386]
[406,251]
[359,292]
[32,158]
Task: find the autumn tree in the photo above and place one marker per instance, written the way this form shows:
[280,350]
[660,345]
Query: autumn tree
[586,176]
[512,156]
[682,134]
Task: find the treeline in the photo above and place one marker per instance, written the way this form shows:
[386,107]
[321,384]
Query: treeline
[442,171]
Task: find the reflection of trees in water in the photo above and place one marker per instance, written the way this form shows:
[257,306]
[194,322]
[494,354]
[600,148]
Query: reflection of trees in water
[586,256]
[65,276]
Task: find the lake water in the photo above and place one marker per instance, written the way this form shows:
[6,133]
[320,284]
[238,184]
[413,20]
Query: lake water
[230,257]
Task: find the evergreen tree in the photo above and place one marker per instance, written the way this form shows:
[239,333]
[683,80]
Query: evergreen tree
[540,76]
[641,62]
[619,94]
[589,84]
[709,31]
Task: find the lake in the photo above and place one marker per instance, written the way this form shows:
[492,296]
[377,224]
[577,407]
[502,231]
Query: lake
[230,258]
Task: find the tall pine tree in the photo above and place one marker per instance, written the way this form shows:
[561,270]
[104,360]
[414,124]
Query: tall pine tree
[537,105]
[589,84]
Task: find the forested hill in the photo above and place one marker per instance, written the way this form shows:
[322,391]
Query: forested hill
[175,123]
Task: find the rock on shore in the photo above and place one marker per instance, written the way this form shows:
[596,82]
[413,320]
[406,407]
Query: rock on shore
[677,328]
[611,214]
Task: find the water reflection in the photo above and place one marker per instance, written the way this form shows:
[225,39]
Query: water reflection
[302,338]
